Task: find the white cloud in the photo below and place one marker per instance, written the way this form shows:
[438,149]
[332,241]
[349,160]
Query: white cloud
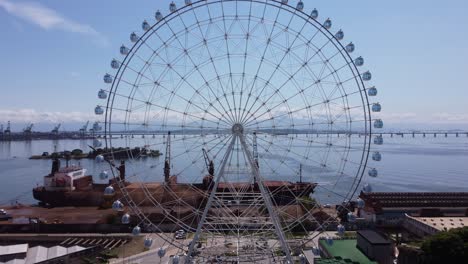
[75,74]
[31,115]
[434,120]
[451,118]
[49,19]
[393,120]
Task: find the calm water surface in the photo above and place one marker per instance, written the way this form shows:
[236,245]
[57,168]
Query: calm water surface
[408,164]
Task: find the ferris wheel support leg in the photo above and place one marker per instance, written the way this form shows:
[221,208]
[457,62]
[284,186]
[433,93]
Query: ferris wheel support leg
[271,211]
[210,200]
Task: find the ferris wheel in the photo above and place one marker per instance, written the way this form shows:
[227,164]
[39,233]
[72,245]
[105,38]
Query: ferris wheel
[261,111]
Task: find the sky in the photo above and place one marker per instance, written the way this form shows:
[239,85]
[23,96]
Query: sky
[54,54]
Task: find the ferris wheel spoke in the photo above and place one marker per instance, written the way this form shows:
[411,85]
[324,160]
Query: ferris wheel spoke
[197,147]
[214,67]
[286,53]
[226,37]
[304,108]
[261,61]
[165,108]
[190,103]
[168,127]
[246,119]
[247,37]
[180,76]
[201,75]
[310,126]
[288,150]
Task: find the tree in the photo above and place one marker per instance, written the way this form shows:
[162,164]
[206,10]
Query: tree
[447,247]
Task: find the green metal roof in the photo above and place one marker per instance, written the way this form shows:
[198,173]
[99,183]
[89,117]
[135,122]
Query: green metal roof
[345,250]
[335,261]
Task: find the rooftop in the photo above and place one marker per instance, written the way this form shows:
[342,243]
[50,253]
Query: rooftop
[13,249]
[335,261]
[374,237]
[38,253]
[345,249]
[442,223]
[415,199]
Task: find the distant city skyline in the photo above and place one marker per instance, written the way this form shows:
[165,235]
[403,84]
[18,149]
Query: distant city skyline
[55,53]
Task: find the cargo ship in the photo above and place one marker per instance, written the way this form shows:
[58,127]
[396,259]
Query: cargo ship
[71,186]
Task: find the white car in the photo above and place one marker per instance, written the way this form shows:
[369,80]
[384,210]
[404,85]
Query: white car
[4,215]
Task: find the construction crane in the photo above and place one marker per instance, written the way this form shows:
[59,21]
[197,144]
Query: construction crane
[28,128]
[7,132]
[8,129]
[255,151]
[167,161]
[208,162]
[96,128]
[84,129]
[55,131]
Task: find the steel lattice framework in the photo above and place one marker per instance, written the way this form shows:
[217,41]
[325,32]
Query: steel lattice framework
[265,91]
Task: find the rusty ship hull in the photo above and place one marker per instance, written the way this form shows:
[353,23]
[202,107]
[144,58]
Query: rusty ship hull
[187,194]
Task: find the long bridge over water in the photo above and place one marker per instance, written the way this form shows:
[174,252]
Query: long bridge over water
[20,136]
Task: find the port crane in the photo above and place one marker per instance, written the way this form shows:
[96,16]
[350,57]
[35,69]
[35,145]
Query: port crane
[167,160]
[6,134]
[28,128]
[55,131]
[208,162]
[255,150]
[84,129]
[96,128]
[8,129]
[27,131]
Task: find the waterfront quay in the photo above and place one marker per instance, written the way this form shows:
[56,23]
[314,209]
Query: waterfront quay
[398,219]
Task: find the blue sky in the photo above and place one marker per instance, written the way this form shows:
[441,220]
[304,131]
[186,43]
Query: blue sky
[54,53]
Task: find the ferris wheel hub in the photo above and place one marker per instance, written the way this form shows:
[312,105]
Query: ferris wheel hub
[237,129]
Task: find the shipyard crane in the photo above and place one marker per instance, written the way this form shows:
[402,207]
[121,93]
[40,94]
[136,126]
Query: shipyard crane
[96,128]
[55,131]
[167,160]
[208,162]
[6,134]
[8,129]
[28,129]
[84,129]
[255,152]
